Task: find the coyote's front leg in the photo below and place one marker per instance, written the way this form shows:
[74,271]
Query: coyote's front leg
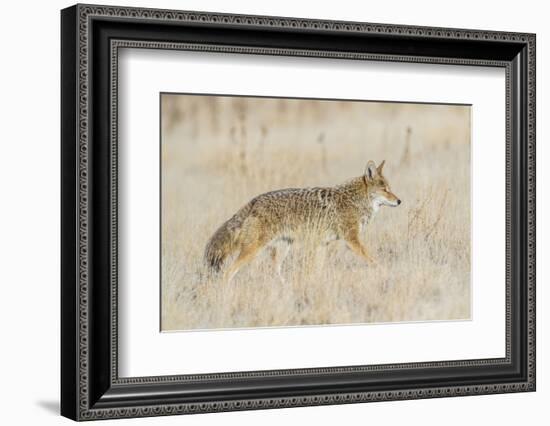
[358,248]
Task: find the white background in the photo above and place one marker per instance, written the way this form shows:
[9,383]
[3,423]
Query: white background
[29,225]
[146,352]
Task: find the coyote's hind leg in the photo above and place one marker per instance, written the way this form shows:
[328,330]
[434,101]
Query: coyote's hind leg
[247,253]
[278,253]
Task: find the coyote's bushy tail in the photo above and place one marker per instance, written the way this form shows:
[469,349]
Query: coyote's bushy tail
[222,244]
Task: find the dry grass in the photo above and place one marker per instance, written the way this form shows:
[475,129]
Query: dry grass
[218,152]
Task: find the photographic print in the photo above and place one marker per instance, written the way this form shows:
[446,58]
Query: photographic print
[279,212]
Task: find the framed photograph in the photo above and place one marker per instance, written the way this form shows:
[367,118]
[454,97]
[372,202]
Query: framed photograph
[263,212]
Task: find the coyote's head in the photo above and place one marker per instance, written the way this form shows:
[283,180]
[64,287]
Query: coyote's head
[378,188]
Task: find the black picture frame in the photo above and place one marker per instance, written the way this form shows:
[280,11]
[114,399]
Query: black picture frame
[90,38]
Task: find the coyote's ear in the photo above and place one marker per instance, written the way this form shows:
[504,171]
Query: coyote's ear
[370,170]
[380,166]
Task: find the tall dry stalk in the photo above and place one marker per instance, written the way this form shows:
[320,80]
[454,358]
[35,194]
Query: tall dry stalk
[406,157]
[323,148]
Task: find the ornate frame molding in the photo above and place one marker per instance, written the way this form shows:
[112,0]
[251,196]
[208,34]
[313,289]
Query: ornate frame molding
[83,15]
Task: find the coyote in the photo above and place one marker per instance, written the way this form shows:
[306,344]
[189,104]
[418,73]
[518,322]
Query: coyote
[279,218]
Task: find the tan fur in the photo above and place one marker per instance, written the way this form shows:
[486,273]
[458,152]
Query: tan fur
[279,218]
